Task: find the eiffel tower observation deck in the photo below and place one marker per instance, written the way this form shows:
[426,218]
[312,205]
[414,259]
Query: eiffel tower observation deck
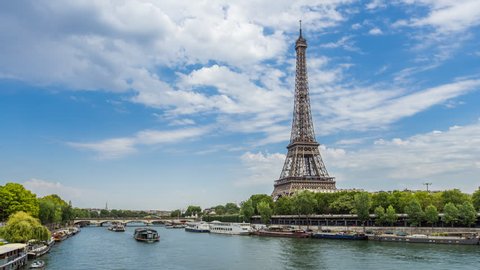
[304,168]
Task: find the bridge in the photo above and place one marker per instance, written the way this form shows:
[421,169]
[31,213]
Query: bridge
[128,220]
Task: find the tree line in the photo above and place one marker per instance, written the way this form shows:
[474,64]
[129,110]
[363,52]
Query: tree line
[422,207]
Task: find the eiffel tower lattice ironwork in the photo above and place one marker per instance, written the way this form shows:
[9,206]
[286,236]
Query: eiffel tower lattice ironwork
[304,168]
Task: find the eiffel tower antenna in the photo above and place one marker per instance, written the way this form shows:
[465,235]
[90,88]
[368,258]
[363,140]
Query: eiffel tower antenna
[303,168]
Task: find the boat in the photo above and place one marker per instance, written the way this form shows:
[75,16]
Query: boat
[453,238]
[59,236]
[282,232]
[39,264]
[340,235]
[199,227]
[13,256]
[146,235]
[230,228]
[36,249]
[117,228]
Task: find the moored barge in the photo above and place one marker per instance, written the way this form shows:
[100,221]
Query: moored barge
[340,236]
[421,238]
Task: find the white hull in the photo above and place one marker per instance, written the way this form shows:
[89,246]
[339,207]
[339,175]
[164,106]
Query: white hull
[230,228]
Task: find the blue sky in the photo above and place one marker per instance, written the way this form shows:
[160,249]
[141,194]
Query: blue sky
[162,104]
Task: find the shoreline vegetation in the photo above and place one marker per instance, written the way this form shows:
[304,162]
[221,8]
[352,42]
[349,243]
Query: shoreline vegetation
[23,216]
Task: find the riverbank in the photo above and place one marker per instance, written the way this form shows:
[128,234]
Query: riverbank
[381,230]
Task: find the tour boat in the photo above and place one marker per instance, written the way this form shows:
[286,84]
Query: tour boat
[37,264]
[340,235]
[13,256]
[230,228]
[282,232]
[454,238]
[146,235]
[36,249]
[197,227]
[117,228]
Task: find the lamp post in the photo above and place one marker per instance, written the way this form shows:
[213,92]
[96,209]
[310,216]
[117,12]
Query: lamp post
[427,184]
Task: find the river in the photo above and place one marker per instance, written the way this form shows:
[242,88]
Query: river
[98,248]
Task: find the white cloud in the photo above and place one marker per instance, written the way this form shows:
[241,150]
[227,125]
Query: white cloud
[43,188]
[375,31]
[375,4]
[119,147]
[260,169]
[448,159]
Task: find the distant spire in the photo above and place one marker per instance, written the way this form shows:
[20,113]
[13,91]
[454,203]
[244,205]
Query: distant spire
[300,28]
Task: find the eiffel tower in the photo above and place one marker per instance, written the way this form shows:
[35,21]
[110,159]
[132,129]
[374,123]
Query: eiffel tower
[303,168]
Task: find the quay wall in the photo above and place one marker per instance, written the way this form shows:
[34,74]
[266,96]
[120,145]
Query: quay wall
[409,230]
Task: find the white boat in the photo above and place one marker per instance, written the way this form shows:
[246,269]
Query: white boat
[230,228]
[37,264]
[13,256]
[197,227]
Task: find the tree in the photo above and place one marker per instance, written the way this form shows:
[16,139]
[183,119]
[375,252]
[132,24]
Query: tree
[454,196]
[257,198]
[467,214]
[265,211]
[283,206]
[450,213]
[391,215]
[476,199]
[219,209]
[22,227]
[232,208]
[431,214]
[14,198]
[343,204]
[46,212]
[304,203]
[362,206]
[193,210]
[414,212]
[379,215]
[380,199]
[175,213]
[247,210]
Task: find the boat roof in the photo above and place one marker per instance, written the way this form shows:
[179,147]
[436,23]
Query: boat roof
[11,247]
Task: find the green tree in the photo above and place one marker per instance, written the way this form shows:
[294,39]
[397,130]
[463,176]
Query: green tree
[379,215]
[450,213]
[467,214]
[304,203]
[257,198]
[343,204]
[46,211]
[431,214]
[22,227]
[231,208]
[391,215]
[476,199]
[193,210]
[247,210]
[283,206]
[414,212]
[14,198]
[176,213]
[219,209]
[454,196]
[362,206]
[265,211]
[380,199]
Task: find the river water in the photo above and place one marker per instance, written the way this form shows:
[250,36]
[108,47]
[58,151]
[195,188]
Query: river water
[98,248]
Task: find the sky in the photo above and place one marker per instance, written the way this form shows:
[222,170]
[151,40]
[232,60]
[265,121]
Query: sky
[164,104]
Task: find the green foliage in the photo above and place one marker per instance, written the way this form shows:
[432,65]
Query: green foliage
[247,210]
[193,210]
[14,198]
[380,199]
[343,204]
[454,196]
[284,206]
[450,213]
[467,214]
[304,203]
[257,198]
[390,215]
[219,209]
[415,213]
[362,206]
[176,213]
[431,214]
[476,199]
[232,208]
[22,227]
[54,210]
[379,215]
[265,211]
